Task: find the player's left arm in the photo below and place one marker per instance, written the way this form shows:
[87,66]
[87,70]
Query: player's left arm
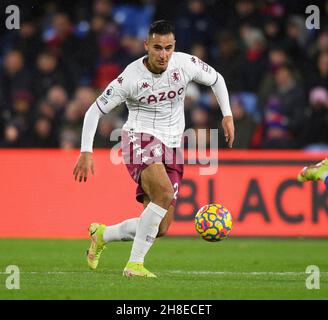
[221,93]
[206,75]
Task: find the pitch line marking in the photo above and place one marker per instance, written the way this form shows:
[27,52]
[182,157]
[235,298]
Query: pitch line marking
[198,273]
[252,273]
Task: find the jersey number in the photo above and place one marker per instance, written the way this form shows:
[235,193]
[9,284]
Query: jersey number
[176,188]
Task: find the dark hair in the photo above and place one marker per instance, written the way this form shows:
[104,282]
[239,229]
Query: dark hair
[161,27]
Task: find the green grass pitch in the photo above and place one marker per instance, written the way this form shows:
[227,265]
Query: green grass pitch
[187,268]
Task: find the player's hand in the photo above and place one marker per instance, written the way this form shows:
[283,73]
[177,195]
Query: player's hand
[83,165]
[229,130]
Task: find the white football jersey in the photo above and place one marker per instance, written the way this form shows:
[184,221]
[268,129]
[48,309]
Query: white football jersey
[156,101]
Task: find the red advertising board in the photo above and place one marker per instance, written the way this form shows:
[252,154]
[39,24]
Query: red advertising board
[39,197]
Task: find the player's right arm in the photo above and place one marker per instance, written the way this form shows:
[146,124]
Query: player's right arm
[114,94]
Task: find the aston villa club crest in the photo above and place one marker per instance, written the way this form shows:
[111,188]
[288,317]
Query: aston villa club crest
[175,76]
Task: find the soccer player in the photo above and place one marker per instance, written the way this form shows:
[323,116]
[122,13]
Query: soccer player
[315,172]
[153,88]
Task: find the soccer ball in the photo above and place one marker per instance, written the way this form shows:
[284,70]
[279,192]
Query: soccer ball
[213,222]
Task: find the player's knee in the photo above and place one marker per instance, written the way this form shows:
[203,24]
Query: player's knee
[163,196]
[168,195]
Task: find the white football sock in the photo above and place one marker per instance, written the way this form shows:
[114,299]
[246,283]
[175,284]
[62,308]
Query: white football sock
[123,231]
[147,230]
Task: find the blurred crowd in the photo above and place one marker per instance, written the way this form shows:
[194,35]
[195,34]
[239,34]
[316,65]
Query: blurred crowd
[66,52]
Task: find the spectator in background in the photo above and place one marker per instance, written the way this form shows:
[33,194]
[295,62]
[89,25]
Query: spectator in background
[89,48]
[88,55]
[200,124]
[45,109]
[132,48]
[22,107]
[68,139]
[72,119]
[102,8]
[13,134]
[284,111]
[43,134]
[319,45]
[105,128]
[63,43]
[48,73]
[195,25]
[228,60]
[254,59]
[109,66]
[71,126]
[200,51]
[277,57]
[84,97]
[104,37]
[319,76]
[273,32]
[209,103]
[315,130]
[97,27]
[57,97]
[171,12]
[322,43]
[134,17]
[28,41]
[245,124]
[100,42]
[14,77]
[272,8]
[296,42]
[246,13]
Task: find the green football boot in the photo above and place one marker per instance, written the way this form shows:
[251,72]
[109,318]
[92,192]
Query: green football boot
[96,232]
[313,172]
[136,269]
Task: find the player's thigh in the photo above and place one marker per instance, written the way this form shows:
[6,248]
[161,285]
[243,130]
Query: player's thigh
[154,180]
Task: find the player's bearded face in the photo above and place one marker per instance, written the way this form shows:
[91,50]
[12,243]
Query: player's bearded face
[160,49]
